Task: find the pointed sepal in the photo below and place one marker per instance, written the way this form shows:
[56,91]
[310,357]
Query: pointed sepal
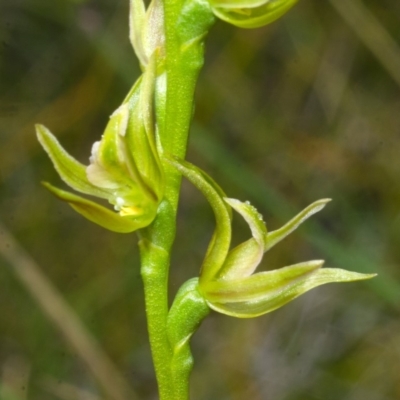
[137,15]
[101,215]
[71,171]
[264,292]
[251,13]
[276,236]
[220,242]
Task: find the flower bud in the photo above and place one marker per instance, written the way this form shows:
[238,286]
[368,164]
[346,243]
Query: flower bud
[147,29]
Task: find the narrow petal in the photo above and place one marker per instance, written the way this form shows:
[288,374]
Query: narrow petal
[251,216]
[257,285]
[248,17]
[153,36]
[235,4]
[241,260]
[137,15]
[139,142]
[107,153]
[99,214]
[160,100]
[244,259]
[100,177]
[220,242]
[72,172]
[147,105]
[146,99]
[133,142]
[275,237]
[265,292]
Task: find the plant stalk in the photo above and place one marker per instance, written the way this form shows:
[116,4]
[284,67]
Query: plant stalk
[182,68]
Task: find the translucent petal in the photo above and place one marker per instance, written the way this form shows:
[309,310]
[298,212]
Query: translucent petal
[146,100]
[101,215]
[107,154]
[140,145]
[276,236]
[160,107]
[136,21]
[100,177]
[130,145]
[252,217]
[153,30]
[247,17]
[115,129]
[239,3]
[259,294]
[72,172]
[244,259]
[220,242]
[241,261]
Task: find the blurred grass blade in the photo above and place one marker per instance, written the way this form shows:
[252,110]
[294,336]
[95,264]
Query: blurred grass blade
[64,318]
[372,33]
[67,391]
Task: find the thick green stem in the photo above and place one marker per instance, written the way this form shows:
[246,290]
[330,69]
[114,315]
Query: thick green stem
[155,266]
[184,59]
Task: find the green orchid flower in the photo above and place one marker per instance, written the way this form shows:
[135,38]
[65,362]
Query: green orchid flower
[124,167]
[228,280]
[251,13]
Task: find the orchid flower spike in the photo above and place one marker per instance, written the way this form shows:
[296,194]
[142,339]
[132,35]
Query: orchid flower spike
[124,167]
[147,29]
[250,13]
[228,280]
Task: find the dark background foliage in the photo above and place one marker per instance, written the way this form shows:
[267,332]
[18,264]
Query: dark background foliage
[303,109]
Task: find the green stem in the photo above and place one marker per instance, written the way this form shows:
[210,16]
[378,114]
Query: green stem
[184,59]
[155,266]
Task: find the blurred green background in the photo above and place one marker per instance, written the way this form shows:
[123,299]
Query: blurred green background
[303,109]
